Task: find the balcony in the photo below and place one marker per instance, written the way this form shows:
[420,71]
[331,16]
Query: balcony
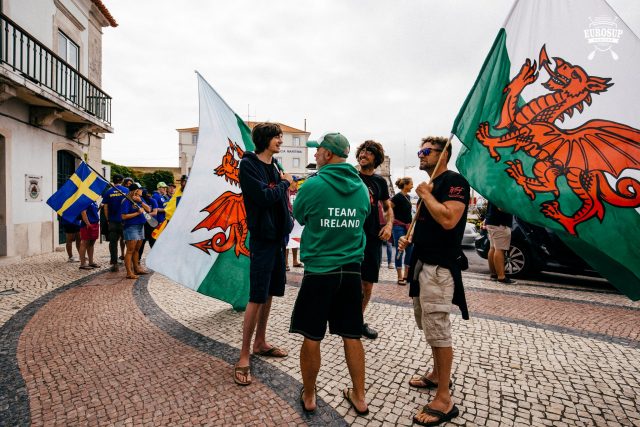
[26,57]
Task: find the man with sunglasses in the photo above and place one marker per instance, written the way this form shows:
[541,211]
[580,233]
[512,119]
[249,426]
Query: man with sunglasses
[370,155]
[435,272]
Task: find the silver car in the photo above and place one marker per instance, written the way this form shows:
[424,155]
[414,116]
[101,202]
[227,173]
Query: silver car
[470,234]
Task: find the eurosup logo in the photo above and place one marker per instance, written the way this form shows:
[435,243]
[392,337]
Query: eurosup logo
[603,33]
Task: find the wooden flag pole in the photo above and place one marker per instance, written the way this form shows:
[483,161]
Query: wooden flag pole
[431,178]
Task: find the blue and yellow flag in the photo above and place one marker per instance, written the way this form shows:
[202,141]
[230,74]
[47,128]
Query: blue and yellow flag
[83,187]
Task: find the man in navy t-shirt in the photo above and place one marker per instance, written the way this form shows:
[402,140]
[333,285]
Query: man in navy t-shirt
[112,200]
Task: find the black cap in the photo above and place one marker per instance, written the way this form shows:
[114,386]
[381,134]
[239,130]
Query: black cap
[184,178]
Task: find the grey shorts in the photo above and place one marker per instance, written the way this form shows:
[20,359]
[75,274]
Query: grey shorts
[431,309]
[499,236]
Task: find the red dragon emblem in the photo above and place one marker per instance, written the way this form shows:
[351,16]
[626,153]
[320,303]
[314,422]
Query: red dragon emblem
[226,213]
[582,155]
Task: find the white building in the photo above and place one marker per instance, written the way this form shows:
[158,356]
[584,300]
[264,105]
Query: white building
[292,157]
[52,111]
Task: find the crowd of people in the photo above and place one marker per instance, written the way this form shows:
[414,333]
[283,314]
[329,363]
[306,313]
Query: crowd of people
[126,210]
[348,216]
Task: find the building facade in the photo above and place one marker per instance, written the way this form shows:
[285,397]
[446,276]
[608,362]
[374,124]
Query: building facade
[53,112]
[292,157]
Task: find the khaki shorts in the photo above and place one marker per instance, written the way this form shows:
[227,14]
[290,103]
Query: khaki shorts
[431,309]
[499,236]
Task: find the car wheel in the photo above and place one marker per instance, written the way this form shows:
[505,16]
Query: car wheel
[517,261]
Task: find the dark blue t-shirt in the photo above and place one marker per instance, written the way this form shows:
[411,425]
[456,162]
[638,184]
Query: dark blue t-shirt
[113,200]
[127,208]
[92,214]
[161,201]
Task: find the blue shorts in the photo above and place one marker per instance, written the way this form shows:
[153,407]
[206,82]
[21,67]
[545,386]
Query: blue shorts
[267,275]
[134,232]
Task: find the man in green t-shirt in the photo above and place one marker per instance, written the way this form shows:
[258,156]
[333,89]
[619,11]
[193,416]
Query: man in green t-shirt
[332,206]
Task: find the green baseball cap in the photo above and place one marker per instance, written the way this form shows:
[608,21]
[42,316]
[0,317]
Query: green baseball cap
[334,142]
[161,184]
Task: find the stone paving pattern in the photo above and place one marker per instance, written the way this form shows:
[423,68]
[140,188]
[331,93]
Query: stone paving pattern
[78,349]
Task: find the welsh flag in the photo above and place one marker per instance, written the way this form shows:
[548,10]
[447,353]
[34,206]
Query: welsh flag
[550,130]
[204,246]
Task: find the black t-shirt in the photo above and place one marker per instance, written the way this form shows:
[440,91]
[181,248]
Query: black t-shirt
[378,191]
[432,244]
[276,209]
[497,217]
[401,208]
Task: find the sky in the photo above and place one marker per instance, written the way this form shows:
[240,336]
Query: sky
[392,71]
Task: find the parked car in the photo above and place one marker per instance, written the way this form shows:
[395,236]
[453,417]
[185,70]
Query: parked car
[470,234]
[534,249]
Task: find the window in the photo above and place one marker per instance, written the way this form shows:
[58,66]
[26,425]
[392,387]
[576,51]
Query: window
[67,81]
[194,138]
[68,50]
[296,141]
[296,162]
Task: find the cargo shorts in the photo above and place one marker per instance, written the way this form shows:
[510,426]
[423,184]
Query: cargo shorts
[432,307]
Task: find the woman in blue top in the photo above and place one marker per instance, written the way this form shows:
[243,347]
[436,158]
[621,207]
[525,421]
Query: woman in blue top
[133,219]
[153,204]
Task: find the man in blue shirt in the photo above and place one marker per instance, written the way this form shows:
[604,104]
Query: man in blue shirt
[112,200]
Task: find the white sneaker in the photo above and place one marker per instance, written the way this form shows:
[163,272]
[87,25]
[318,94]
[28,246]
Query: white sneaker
[72,259]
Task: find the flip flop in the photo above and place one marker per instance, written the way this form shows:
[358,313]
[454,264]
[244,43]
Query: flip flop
[94,265]
[244,371]
[426,381]
[85,267]
[347,395]
[131,276]
[441,416]
[402,282]
[304,408]
[272,352]
[298,265]
[142,272]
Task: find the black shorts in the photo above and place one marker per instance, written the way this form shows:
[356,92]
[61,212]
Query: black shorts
[334,297]
[71,228]
[267,275]
[370,266]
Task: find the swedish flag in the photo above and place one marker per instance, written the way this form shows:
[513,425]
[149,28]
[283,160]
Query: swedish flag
[83,187]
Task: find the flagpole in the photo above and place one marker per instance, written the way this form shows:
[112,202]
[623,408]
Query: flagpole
[431,178]
[150,220]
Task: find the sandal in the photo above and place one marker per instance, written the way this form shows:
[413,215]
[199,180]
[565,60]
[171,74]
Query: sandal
[85,267]
[141,272]
[287,268]
[94,265]
[347,395]
[240,372]
[441,417]
[131,276]
[402,282]
[299,264]
[272,352]
[426,382]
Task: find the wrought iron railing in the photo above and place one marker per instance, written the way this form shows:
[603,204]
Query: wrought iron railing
[24,54]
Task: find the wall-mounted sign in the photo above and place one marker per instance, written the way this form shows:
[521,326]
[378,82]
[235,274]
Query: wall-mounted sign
[32,188]
[292,150]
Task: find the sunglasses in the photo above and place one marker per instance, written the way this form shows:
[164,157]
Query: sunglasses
[427,151]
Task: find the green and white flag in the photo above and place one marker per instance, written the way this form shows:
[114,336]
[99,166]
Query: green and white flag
[550,130]
[204,246]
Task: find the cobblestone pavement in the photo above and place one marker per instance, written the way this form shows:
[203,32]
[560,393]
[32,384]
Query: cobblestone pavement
[98,349]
